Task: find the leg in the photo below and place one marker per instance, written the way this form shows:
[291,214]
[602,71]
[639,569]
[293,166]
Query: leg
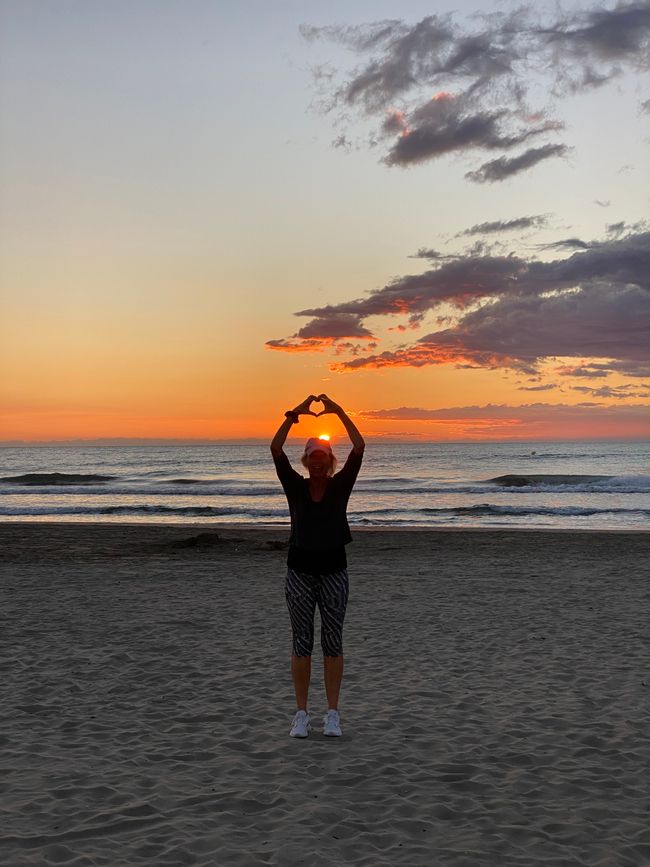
[301,674]
[301,602]
[333,674]
[332,602]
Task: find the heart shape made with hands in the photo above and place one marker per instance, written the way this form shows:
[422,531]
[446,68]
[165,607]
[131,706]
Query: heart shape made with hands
[316,414]
[322,412]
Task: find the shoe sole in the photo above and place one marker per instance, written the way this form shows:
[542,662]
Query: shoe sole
[332,734]
[292,735]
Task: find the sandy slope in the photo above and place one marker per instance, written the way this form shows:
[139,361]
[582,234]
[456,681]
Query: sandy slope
[495,702]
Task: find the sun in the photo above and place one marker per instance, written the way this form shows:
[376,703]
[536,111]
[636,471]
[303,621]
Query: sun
[324,437]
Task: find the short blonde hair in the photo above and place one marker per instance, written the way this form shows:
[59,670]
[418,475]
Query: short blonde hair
[332,466]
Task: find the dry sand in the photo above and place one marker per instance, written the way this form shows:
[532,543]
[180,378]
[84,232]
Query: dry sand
[495,701]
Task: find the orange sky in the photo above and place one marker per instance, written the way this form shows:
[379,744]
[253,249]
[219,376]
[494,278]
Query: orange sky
[159,240]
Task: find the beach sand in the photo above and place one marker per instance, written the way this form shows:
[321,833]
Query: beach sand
[495,703]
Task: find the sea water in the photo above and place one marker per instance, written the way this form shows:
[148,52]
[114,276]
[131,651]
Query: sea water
[585,485]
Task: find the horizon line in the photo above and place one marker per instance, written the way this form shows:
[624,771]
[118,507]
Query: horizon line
[189,441]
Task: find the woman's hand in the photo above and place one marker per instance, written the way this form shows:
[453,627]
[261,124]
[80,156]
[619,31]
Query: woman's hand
[357,440]
[328,404]
[304,407]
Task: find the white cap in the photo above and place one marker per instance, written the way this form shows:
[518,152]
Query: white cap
[314,444]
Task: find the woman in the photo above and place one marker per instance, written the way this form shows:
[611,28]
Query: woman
[317,564]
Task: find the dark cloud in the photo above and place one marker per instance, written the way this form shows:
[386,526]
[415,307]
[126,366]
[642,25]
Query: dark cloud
[636,368]
[547,387]
[566,244]
[587,372]
[408,56]
[335,327]
[520,331]
[446,123]
[602,204]
[491,410]
[622,227]
[469,278]
[428,253]
[459,282]
[325,332]
[480,74]
[603,36]
[589,419]
[342,141]
[616,391]
[516,224]
[291,345]
[505,167]
[514,313]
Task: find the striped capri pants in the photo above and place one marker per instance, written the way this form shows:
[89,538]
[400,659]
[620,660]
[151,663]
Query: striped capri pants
[303,593]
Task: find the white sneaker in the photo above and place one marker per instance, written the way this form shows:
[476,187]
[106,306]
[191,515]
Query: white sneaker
[301,725]
[332,724]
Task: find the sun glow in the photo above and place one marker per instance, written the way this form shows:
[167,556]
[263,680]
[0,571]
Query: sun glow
[324,437]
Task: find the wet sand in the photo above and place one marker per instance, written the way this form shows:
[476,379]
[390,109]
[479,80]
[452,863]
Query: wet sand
[495,703]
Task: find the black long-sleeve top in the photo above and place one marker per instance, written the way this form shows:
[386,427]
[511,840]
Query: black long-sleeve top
[319,530]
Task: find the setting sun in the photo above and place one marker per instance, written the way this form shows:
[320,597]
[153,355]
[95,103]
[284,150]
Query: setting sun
[324,437]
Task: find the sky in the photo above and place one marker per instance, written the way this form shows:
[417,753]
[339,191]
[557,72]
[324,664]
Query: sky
[437,214]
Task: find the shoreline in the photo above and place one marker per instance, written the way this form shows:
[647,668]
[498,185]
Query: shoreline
[354,528]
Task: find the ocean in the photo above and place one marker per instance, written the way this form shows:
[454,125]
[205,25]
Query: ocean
[580,485]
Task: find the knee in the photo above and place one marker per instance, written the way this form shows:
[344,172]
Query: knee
[303,645]
[332,643]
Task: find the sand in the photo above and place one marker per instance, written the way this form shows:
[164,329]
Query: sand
[495,703]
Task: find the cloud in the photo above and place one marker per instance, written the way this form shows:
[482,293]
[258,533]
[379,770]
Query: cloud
[429,253]
[480,73]
[637,369]
[640,368]
[504,167]
[622,226]
[529,420]
[325,332]
[513,312]
[520,331]
[601,36]
[290,345]
[587,371]
[516,224]
[616,391]
[335,327]
[447,123]
[566,244]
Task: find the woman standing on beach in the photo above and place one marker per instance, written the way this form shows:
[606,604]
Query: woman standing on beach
[317,564]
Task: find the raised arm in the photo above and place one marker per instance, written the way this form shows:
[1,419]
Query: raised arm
[358,442]
[281,434]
